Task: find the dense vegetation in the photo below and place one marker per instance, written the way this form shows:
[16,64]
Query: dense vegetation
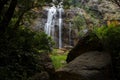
[20,47]
[19,53]
[58,58]
[110,37]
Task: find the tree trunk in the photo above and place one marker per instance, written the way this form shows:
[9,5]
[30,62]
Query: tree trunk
[8,15]
[2,3]
[18,21]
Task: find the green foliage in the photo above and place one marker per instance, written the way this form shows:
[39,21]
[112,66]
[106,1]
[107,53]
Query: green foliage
[79,22]
[20,48]
[26,4]
[111,37]
[67,3]
[58,60]
[19,53]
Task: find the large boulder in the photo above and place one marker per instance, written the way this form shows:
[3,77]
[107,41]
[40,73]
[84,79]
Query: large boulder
[88,42]
[48,70]
[92,65]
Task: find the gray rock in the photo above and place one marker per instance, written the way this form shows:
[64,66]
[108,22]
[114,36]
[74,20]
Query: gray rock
[41,76]
[88,42]
[88,66]
[47,68]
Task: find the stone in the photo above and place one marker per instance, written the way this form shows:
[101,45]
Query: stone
[88,42]
[41,76]
[47,69]
[47,65]
[92,65]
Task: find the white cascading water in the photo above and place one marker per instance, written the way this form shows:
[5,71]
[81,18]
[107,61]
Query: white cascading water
[70,30]
[60,10]
[50,25]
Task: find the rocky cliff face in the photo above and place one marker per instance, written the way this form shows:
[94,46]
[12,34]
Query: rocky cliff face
[69,35]
[94,13]
[108,9]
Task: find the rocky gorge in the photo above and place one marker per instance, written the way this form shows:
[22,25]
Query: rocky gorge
[76,19]
[60,40]
[88,60]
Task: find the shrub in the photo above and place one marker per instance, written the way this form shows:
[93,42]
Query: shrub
[110,37]
[58,59]
[19,53]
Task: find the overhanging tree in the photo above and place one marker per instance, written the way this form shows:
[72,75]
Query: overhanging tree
[7,13]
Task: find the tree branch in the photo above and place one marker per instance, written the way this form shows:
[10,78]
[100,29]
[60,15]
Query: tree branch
[8,15]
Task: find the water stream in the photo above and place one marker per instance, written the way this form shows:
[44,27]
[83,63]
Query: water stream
[60,10]
[50,24]
[70,30]
[51,21]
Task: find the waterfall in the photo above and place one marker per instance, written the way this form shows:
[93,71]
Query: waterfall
[60,10]
[51,20]
[50,24]
[70,30]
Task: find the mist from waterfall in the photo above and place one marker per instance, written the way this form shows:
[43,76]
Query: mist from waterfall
[51,21]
